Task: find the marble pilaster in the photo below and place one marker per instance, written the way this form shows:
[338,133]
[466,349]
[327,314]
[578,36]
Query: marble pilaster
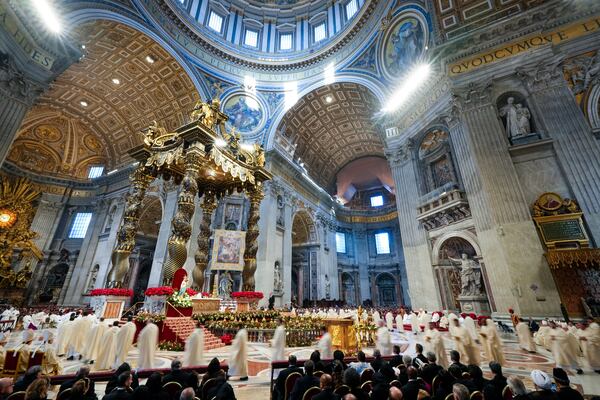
[160,252]
[574,143]
[361,251]
[107,242]
[421,289]
[511,250]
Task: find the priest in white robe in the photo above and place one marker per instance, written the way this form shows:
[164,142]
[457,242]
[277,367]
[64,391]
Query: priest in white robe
[469,323]
[493,343]
[147,343]
[125,341]
[465,345]
[542,336]
[51,364]
[94,343]
[435,343]
[64,333]
[389,320]
[399,323]
[589,338]
[108,349]
[384,340]
[325,345]
[565,355]
[194,348]
[414,323]
[376,317]
[525,339]
[23,351]
[278,342]
[81,332]
[238,355]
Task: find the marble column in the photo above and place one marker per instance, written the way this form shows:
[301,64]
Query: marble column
[160,252]
[511,249]
[574,143]
[286,259]
[269,243]
[421,289]
[107,242]
[361,250]
[17,94]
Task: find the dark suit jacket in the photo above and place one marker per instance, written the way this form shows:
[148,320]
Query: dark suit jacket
[422,358]
[178,376]
[569,393]
[410,391]
[279,388]
[543,395]
[90,394]
[429,371]
[493,390]
[118,394]
[463,367]
[326,394]
[302,385]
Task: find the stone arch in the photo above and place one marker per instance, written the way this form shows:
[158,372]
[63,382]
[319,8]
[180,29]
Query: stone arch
[466,235]
[304,228]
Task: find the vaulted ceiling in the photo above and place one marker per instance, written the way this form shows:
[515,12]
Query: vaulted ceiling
[73,134]
[330,127]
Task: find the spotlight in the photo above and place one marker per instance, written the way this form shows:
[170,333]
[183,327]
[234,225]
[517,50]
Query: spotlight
[83,103]
[116,81]
[220,142]
[150,59]
[414,79]
[47,15]
[83,46]
[328,99]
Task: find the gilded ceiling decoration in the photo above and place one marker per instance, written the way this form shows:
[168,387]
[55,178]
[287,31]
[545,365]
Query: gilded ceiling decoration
[330,127]
[112,94]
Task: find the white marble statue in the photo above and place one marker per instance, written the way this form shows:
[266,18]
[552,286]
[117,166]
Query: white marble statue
[517,119]
[277,281]
[470,276]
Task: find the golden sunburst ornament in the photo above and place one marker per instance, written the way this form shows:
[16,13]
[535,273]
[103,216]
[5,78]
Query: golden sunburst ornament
[7,218]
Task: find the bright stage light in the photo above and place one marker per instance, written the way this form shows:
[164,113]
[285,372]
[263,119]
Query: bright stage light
[220,142]
[47,15]
[414,79]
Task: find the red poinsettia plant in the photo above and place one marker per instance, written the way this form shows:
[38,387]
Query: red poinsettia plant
[191,292]
[112,292]
[206,294]
[247,295]
[481,320]
[159,291]
[226,339]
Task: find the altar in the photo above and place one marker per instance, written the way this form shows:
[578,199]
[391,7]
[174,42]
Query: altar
[343,334]
[205,305]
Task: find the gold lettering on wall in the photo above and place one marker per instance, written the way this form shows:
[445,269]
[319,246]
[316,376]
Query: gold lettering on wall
[526,44]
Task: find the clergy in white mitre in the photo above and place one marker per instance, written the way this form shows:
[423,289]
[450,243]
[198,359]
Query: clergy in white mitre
[147,343]
[194,348]
[589,338]
[493,343]
[389,320]
[125,338]
[384,340]
[325,344]
[435,344]
[525,339]
[464,343]
[108,345]
[414,323]
[238,355]
[278,342]
[563,349]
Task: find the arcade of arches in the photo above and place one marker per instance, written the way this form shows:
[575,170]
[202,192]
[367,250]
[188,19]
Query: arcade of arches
[379,196]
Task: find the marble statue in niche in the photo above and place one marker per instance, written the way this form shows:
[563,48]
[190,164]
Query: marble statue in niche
[280,211]
[327,288]
[225,285]
[93,277]
[517,121]
[277,280]
[470,275]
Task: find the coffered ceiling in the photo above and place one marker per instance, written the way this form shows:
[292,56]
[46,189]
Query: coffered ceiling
[330,127]
[110,95]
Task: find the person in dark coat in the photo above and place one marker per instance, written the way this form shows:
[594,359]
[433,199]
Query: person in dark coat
[82,373]
[564,390]
[176,375]
[352,380]
[304,383]
[477,378]
[410,391]
[112,382]
[422,359]
[455,360]
[493,390]
[397,357]
[213,371]
[27,379]
[123,390]
[326,385]
[279,389]
[154,387]
[431,369]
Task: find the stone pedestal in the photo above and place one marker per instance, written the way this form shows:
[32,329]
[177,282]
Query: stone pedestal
[109,307]
[525,139]
[477,304]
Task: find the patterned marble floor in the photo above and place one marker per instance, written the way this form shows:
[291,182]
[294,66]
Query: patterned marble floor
[518,362]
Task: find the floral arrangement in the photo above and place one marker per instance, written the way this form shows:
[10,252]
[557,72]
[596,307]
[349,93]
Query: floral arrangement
[247,295]
[191,292]
[160,291]
[112,292]
[226,339]
[472,315]
[183,301]
[144,316]
[256,320]
[206,294]
[167,345]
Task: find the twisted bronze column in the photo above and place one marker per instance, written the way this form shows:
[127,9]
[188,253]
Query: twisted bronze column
[208,206]
[256,195]
[181,228]
[140,180]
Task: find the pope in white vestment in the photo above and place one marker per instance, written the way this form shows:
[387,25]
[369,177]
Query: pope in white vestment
[194,349]
[278,343]
[238,355]
[465,345]
[147,343]
[124,342]
[435,343]
[590,344]
[108,349]
[525,339]
[325,345]
[384,340]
